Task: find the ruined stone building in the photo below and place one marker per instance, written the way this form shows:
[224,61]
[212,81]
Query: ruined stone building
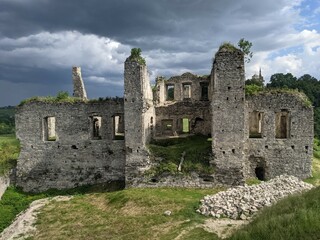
[68,144]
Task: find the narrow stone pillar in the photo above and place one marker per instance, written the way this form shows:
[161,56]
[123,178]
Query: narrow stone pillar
[78,86]
[228,115]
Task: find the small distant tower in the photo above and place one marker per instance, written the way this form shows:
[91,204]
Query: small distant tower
[139,115]
[228,115]
[79,90]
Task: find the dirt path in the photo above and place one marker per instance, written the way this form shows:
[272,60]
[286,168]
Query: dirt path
[223,227]
[23,225]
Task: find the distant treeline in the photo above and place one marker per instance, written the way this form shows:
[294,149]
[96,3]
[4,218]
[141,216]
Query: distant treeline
[7,120]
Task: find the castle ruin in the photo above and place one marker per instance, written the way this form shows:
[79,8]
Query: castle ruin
[65,145]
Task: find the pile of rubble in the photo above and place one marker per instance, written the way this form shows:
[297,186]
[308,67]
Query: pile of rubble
[244,201]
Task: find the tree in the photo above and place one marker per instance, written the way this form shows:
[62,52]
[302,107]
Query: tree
[245,47]
[280,80]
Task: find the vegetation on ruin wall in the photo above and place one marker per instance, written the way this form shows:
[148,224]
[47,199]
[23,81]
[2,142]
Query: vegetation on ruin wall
[63,97]
[136,56]
[197,155]
[9,152]
[253,89]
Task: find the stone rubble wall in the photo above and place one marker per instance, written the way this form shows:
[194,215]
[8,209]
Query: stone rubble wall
[244,201]
[228,115]
[198,113]
[4,184]
[75,157]
[291,155]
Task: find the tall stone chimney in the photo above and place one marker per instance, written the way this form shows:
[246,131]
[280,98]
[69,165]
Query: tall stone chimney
[78,86]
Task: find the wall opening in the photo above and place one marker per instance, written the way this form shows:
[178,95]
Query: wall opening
[167,126]
[260,173]
[186,88]
[185,125]
[50,129]
[118,127]
[282,124]
[255,124]
[204,91]
[96,122]
[170,92]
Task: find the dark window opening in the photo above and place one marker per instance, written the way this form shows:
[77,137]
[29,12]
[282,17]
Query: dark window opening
[118,127]
[170,93]
[50,129]
[260,173]
[167,126]
[255,124]
[96,127]
[204,91]
[186,91]
[282,124]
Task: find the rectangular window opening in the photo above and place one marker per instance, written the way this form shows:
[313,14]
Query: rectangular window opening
[96,122]
[170,92]
[186,91]
[185,125]
[50,129]
[118,127]
[204,91]
[255,124]
[167,126]
[282,124]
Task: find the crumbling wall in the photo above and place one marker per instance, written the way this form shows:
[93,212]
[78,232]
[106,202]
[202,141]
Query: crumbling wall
[228,115]
[139,118]
[275,153]
[187,87]
[74,155]
[197,114]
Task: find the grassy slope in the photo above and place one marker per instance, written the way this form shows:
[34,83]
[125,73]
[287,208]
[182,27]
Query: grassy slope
[127,214]
[9,151]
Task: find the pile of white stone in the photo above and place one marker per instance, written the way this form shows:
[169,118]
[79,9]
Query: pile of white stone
[244,201]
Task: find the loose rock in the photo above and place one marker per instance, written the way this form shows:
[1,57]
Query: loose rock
[244,201]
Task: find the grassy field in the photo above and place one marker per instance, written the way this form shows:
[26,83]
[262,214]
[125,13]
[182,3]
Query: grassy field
[138,213]
[9,152]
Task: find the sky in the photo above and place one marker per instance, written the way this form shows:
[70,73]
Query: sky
[40,40]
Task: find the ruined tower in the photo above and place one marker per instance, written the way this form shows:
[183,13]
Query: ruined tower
[78,86]
[139,117]
[228,114]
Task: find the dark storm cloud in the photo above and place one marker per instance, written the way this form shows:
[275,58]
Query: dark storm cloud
[41,39]
[130,21]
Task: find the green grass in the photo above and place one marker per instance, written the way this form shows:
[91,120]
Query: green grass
[197,157]
[9,152]
[315,179]
[12,203]
[295,217]
[127,214]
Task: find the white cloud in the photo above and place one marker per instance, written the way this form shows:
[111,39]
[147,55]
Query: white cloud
[63,50]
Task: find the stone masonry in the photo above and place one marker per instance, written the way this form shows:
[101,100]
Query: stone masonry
[65,145]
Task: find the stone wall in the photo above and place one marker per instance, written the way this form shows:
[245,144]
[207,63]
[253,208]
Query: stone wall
[4,184]
[82,151]
[197,114]
[274,154]
[139,118]
[187,87]
[228,115]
